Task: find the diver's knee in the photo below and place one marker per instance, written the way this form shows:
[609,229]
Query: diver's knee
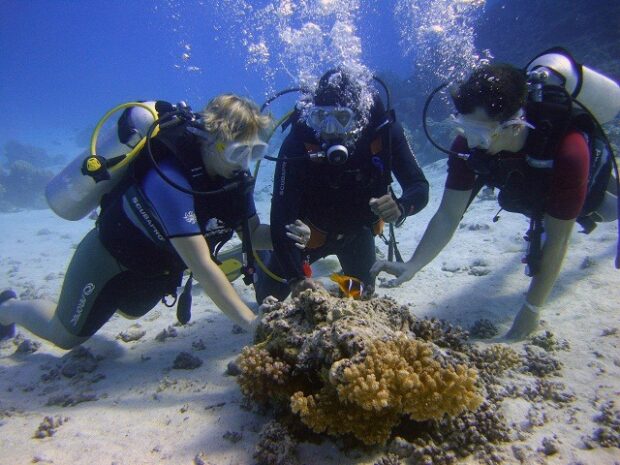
[63,338]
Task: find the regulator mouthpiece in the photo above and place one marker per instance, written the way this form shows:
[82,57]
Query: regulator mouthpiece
[337,154]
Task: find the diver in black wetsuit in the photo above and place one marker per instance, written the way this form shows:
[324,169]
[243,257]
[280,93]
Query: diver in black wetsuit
[334,173]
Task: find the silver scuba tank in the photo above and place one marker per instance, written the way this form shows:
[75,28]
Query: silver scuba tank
[73,193]
[599,94]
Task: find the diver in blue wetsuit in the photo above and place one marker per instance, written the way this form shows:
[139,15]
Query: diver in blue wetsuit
[334,172]
[152,228]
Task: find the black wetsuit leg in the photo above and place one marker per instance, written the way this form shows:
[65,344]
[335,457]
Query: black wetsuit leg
[356,253]
[96,286]
[265,285]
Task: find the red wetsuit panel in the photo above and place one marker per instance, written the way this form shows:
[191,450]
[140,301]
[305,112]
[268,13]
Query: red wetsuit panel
[569,181]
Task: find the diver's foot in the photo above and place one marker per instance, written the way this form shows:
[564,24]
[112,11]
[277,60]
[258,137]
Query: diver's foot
[525,323]
[7,331]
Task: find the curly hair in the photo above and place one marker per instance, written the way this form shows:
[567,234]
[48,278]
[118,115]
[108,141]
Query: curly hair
[231,117]
[500,89]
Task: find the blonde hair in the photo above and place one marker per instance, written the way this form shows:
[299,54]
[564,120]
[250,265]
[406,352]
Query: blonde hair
[231,117]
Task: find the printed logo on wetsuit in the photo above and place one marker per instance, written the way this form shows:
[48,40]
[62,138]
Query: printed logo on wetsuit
[79,309]
[190,217]
[147,219]
[215,227]
[282,180]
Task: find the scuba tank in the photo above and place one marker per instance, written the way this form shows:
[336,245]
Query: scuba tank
[599,94]
[77,189]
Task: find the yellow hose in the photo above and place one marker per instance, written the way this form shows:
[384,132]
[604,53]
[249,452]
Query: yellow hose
[129,156]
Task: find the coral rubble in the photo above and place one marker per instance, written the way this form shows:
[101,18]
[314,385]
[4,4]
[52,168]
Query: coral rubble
[608,434]
[483,329]
[275,446]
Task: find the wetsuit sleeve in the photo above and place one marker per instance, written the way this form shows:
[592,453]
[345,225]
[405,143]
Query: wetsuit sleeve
[569,181]
[408,173]
[460,176]
[286,205]
[173,208]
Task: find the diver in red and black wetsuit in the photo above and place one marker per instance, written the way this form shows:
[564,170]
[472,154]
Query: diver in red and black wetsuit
[496,143]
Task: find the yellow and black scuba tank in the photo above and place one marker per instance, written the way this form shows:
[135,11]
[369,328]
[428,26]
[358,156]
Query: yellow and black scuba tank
[78,188]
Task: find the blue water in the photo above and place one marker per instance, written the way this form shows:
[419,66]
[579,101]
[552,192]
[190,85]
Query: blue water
[63,63]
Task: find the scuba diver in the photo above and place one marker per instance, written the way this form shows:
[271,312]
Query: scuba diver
[172,210]
[333,172]
[521,134]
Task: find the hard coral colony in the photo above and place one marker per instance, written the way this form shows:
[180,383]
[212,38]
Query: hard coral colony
[355,368]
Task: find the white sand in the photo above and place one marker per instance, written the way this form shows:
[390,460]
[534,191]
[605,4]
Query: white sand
[144,412]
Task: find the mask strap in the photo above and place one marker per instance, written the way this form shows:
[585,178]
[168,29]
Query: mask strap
[201,133]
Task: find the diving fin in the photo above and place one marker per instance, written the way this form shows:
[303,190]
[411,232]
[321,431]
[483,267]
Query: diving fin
[231,262]
[184,305]
[232,268]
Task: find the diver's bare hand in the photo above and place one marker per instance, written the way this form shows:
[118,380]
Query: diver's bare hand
[299,232]
[402,271]
[386,208]
[263,308]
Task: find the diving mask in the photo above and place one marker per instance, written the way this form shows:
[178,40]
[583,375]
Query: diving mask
[480,134]
[242,153]
[331,120]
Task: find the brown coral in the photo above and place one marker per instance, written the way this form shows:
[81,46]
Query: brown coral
[323,412]
[403,375]
[353,367]
[262,376]
[276,447]
[440,332]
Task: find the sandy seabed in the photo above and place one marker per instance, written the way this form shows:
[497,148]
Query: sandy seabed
[129,397]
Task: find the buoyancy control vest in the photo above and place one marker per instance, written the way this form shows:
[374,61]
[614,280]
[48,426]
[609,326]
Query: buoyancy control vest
[333,191]
[523,182]
[180,142]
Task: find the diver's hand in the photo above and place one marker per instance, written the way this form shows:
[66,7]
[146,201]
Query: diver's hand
[524,324]
[402,271]
[262,308]
[298,232]
[303,284]
[254,324]
[386,208]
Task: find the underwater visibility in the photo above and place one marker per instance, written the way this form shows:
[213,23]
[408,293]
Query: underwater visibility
[299,232]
